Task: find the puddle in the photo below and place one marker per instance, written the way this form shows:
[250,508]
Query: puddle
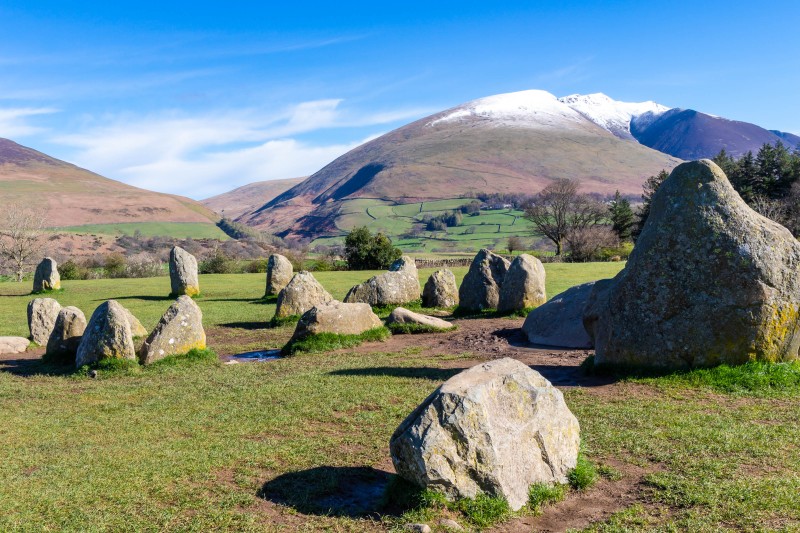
[255,357]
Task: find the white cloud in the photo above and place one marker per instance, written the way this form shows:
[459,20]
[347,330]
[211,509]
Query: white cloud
[14,122]
[200,156]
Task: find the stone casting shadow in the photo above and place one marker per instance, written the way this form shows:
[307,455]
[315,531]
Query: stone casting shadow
[246,325]
[26,367]
[330,491]
[435,374]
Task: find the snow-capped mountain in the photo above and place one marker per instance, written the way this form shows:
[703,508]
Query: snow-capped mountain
[612,115]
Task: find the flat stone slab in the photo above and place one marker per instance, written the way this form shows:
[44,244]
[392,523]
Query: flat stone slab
[13,344]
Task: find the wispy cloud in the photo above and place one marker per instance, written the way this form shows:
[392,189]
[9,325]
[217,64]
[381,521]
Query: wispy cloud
[201,156]
[15,122]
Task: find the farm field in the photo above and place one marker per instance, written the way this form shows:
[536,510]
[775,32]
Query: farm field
[302,443]
[490,229]
[178,230]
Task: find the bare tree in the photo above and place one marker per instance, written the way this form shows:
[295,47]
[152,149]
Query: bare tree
[19,237]
[560,209]
[585,244]
[514,243]
[772,209]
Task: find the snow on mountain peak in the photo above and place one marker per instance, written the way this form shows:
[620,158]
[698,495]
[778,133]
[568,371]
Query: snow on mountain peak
[612,115]
[528,109]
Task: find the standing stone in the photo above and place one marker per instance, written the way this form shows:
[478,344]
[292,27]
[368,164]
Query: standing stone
[179,331]
[399,285]
[559,321]
[183,272]
[710,282]
[137,329]
[481,286]
[301,294]
[497,428]
[107,336]
[337,317]
[46,277]
[42,314]
[440,290]
[523,287]
[67,333]
[279,274]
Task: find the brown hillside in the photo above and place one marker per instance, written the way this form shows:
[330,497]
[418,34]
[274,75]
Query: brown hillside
[246,199]
[72,196]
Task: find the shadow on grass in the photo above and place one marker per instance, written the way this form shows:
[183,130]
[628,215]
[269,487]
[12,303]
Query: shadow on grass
[27,367]
[253,301]
[146,298]
[330,491]
[246,325]
[435,374]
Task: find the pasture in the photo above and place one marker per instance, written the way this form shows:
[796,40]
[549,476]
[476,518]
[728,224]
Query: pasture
[302,443]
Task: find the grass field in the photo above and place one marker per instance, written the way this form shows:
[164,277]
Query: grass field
[192,447]
[179,230]
[490,229]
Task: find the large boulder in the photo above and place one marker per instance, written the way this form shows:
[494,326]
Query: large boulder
[481,286]
[42,314]
[137,329]
[107,336]
[496,428]
[710,281]
[440,290]
[13,344]
[301,294]
[67,333]
[523,285]
[337,317]
[399,285]
[559,321]
[183,272]
[46,277]
[179,331]
[279,274]
[401,315]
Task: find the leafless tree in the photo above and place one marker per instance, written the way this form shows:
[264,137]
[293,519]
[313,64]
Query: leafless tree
[585,244]
[19,237]
[560,209]
[772,209]
[514,243]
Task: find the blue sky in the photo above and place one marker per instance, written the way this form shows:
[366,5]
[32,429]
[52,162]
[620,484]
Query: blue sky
[198,98]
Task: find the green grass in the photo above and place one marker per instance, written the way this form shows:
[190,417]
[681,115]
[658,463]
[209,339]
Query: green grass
[584,475]
[181,230]
[327,342]
[542,494]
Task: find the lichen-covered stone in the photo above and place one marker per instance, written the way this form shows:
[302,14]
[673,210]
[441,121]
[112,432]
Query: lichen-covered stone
[179,331]
[301,294]
[46,277]
[13,344]
[401,315]
[137,329]
[67,333]
[440,290]
[495,428]
[279,274]
[183,272]
[559,321]
[107,336]
[337,317]
[42,314]
[523,285]
[481,286]
[397,286]
[710,281]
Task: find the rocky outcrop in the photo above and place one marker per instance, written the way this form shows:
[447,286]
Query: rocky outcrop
[523,285]
[46,277]
[481,286]
[440,290]
[107,336]
[183,273]
[67,333]
[13,344]
[401,315]
[337,317]
[710,281]
[497,428]
[301,294]
[42,314]
[397,286]
[179,331]
[279,274]
[559,321]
